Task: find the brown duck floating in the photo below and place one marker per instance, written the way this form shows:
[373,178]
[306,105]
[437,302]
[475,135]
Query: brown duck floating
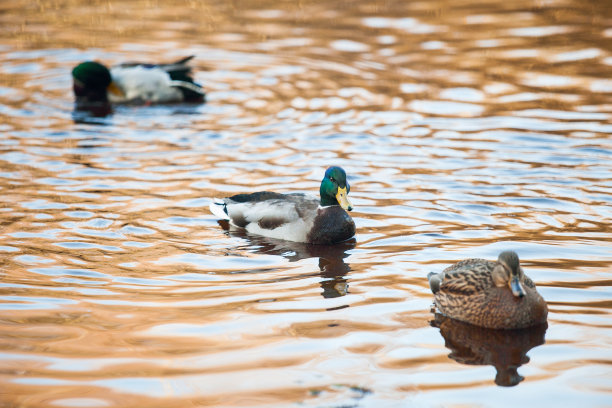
[497,295]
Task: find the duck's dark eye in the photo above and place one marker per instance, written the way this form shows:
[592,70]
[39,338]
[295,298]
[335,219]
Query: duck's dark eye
[333,180]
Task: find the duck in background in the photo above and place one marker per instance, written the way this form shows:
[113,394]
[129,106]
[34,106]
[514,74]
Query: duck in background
[97,88]
[294,217]
[496,295]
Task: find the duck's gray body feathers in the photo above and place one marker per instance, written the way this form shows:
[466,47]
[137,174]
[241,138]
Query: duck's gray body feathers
[293,217]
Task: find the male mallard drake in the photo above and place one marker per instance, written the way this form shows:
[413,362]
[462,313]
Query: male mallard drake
[135,83]
[497,295]
[294,217]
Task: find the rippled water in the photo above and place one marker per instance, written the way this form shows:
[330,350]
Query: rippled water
[466,128]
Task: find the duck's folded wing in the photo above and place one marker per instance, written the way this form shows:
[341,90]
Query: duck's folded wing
[269,210]
[176,66]
[177,71]
[268,214]
[458,283]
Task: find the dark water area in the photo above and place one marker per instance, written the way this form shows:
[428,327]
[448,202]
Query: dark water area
[466,128]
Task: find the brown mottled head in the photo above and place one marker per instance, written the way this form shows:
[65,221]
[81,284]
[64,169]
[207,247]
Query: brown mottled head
[508,271]
[510,260]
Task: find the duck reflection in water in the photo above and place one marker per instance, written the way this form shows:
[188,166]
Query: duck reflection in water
[506,350]
[332,267]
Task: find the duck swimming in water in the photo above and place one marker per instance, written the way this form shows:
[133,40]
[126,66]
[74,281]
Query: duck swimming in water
[95,85]
[294,217]
[497,295]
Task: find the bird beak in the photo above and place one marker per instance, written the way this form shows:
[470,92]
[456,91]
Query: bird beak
[516,287]
[342,197]
[114,89]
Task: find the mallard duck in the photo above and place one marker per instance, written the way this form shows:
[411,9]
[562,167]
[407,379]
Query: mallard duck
[497,295]
[294,217]
[135,83]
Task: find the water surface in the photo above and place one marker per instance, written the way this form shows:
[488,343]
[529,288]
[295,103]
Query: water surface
[466,128]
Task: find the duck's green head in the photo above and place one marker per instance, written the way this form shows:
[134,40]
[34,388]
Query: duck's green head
[91,77]
[334,188]
[92,74]
[508,271]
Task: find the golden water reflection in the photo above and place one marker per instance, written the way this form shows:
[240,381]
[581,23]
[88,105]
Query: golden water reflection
[466,128]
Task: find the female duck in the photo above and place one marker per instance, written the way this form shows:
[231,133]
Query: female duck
[497,295]
[135,83]
[294,217]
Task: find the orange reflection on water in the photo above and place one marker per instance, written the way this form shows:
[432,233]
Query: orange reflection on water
[466,128]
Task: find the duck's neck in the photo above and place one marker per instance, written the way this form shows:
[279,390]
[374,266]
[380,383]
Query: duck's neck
[95,101]
[86,95]
[327,201]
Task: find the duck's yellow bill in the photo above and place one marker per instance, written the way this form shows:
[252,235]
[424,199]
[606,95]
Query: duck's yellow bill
[114,89]
[342,197]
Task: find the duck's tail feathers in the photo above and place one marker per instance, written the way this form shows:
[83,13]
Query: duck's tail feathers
[177,67]
[179,70]
[219,208]
[184,60]
[435,279]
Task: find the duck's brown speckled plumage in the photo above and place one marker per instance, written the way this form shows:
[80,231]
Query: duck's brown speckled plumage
[466,291]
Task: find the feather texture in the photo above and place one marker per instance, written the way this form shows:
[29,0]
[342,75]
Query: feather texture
[467,291]
[141,84]
[217,207]
[292,217]
[134,83]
